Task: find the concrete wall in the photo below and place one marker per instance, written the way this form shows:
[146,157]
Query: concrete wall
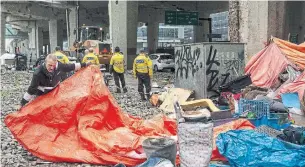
[254,22]
[295,19]
[203,67]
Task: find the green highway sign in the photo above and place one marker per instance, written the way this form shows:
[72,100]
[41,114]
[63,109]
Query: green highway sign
[181,18]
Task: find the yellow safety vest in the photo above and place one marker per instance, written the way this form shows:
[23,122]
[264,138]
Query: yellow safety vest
[61,57]
[117,60]
[92,58]
[142,64]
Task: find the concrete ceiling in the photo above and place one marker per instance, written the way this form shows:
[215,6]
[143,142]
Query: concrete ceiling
[93,4]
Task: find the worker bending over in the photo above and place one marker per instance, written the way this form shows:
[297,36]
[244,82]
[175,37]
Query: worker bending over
[47,77]
[91,57]
[117,69]
[142,69]
[63,59]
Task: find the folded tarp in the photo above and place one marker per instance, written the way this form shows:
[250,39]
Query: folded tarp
[80,121]
[247,148]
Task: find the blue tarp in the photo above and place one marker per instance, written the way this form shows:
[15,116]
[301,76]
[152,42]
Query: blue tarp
[247,148]
[291,100]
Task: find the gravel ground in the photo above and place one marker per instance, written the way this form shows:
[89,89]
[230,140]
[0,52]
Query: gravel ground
[14,84]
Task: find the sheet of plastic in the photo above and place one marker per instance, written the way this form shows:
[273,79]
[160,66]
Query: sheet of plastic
[234,125]
[294,53]
[266,66]
[247,148]
[298,85]
[80,121]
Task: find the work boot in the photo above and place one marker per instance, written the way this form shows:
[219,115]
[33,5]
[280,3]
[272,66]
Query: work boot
[125,90]
[118,90]
[142,97]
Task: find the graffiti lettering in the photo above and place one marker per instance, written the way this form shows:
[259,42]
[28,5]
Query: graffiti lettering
[213,81]
[221,68]
[187,61]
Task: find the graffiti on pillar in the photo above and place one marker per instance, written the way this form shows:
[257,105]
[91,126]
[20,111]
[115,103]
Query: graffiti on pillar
[187,61]
[222,67]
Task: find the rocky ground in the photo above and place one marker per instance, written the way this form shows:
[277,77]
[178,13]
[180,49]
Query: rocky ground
[14,84]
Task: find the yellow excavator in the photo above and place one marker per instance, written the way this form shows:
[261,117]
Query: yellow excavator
[92,36]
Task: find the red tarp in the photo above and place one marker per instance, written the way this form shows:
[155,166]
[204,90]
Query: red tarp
[266,65]
[80,121]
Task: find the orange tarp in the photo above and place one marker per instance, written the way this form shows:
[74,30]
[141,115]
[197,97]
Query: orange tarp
[294,53]
[80,121]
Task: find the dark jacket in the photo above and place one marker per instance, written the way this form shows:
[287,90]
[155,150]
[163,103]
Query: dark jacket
[44,81]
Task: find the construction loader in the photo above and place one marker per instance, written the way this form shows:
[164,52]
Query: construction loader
[92,36]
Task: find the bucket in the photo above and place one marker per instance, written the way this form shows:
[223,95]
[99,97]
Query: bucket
[160,148]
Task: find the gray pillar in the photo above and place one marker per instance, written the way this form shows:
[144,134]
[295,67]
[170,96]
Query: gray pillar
[152,36]
[39,41]
[3,29]
[202,29]
[234,21]
[32,38]
[72,25]
[55,34]
[253,22]
[123,16]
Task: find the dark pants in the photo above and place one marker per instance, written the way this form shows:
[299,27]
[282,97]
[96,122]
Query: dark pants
[117,78]
[143,79]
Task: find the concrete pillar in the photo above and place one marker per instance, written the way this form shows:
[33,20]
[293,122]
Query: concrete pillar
[72,25]
[55,34]
[152,36]
[3,29]
[254,22]
[202,29]
[39,41]
[123,16]
[32,38]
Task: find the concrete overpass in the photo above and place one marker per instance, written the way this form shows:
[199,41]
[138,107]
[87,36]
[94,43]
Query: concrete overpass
[250,22]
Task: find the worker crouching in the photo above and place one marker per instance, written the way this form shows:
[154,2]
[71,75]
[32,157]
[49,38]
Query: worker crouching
[142,69]
[117,69]
[47,77]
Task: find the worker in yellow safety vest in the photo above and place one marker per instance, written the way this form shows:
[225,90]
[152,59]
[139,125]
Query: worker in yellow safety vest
[117,69]
[91,57]
[63,59]
[60,56]
[142,69]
